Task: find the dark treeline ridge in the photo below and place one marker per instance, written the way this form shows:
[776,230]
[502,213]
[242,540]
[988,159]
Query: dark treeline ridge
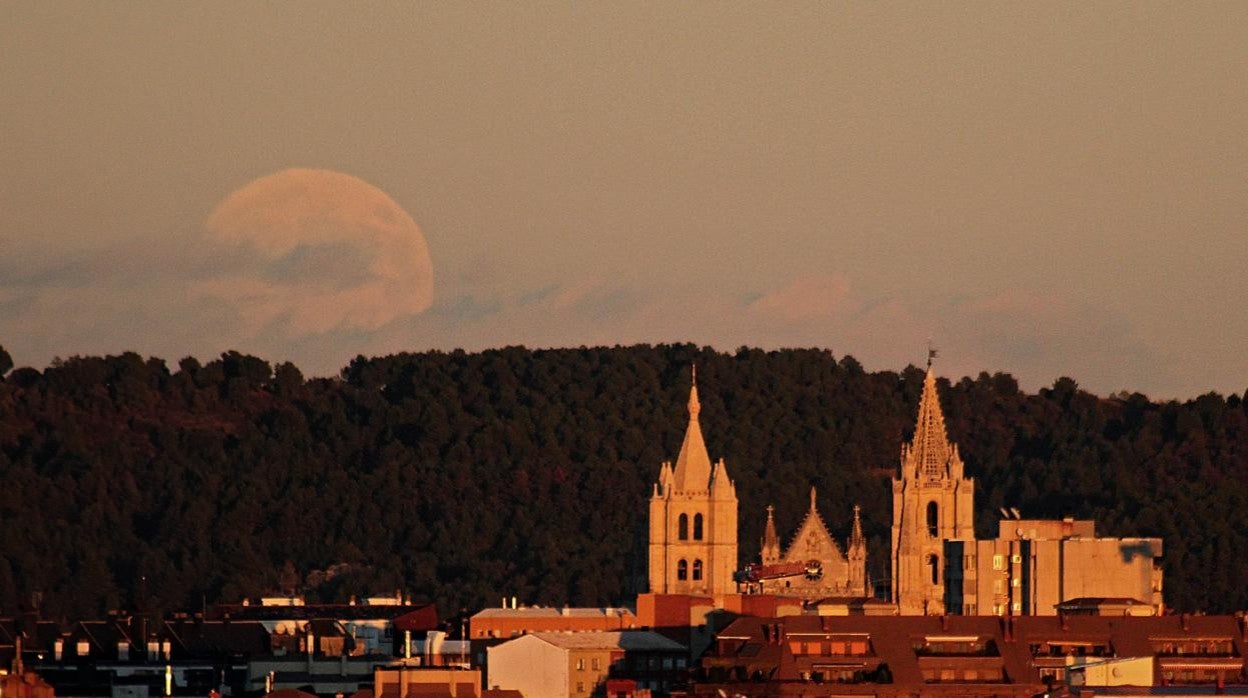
[463,477]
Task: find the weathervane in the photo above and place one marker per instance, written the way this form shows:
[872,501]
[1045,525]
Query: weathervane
[931,352]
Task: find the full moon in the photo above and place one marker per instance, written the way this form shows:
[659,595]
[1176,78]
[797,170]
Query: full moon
[315,251]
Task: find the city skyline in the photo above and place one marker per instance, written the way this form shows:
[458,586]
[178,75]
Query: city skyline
[1043,190]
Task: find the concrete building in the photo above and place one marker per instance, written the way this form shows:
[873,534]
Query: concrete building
[402,681]
[506,623]
[555,665]
[693,519]
[493,626]
[1033,566]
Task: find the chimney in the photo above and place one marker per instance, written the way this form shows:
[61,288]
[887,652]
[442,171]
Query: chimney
[944,622]
[513,602]
[1061,617]
[1185,621]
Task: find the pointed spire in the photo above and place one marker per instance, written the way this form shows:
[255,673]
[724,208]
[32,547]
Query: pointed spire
[693,465]
[695,407]
[812,498]
[771,541]
[930,452]
[856,538]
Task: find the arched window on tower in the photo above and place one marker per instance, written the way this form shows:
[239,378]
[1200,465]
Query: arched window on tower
[697,527]
[682,527]
[697,570]
[933,519]
[934,563]
[682,570]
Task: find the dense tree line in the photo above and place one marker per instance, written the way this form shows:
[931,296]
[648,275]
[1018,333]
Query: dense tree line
[462,477]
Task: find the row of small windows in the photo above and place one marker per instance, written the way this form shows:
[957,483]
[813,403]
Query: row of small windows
[682,570]
[682,527]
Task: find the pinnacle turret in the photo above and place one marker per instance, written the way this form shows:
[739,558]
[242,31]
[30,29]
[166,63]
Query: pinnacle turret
[856,539]
[770,543]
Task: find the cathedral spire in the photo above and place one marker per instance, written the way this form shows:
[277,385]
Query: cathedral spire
[693,465]
[856,538]
[812,498]
[930,452]
[771,541]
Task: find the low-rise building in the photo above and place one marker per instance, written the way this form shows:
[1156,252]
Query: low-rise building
[575,665]
[974,656]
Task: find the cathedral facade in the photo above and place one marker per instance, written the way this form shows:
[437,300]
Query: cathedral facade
[813,566]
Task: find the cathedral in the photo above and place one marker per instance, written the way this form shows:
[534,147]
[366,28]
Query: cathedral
[937,565]
[693,536]
[813,566]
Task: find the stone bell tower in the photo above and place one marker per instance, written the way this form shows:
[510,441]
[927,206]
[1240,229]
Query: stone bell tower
[932,503]
[693,519]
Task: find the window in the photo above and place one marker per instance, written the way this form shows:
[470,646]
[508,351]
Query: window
[595,664]
[998,562]
[1015,582]
[998,586]
[933,519]
[697,570]
[933,563]
[580,666]
[1016,559]
[682,527]
[580,687]
[697,527]
[682,570]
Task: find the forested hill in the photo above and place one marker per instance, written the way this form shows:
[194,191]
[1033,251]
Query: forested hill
[462,477]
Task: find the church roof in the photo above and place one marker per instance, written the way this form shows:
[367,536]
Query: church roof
[693,465]
[812,524]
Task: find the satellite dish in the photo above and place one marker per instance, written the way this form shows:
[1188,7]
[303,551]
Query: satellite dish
[1015,512]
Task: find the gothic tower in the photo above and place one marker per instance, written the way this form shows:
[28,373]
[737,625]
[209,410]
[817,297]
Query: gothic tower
[770,543]
[932,503]
[693,519]
[856,553]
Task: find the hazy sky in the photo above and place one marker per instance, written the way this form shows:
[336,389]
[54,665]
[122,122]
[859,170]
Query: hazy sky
[1046,189]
